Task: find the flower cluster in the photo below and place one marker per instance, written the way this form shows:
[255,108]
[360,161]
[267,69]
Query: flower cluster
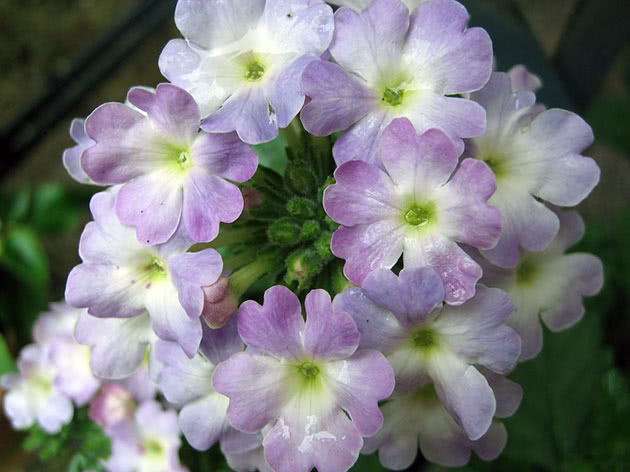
[406,252]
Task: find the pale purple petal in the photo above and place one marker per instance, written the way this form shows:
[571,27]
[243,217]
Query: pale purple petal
[491,444]
[204,420]
[328,334]
[256,389]
[507,393]
[209,200]
[276,327]
[338,100]
[411,296]
[72,156]
[523,79]
[218,345]
[361,141]
[449,451]
[360,382]
[56,412]
[224,155]
[362,194]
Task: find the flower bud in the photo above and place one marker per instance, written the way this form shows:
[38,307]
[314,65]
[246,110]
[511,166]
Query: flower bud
[301,207]
[251,198]
[300,179]
[219,302]
[302,266]
[112,405]
[284,232]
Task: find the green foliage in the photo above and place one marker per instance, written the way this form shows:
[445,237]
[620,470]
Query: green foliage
[80,445]
[7,364]
[368,464]
[273,154]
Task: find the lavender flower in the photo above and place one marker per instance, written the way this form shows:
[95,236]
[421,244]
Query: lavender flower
[419,206]
[149,443]
[522,79]
[187,383]
[535,155]
[242,60]
[121,278]
[388,65]
[549,284]
[32,395]
[418,417]
[299,378]
[402,317]
[172,173]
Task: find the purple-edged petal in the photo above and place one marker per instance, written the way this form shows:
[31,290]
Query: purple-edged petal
[248,113]
[465,394]
[219,344]
[276,327]
[338,100]
[411,296]
[204,420]
[442,24]
[118,345]
[523,79]
[56,413]
[331,444]
[172,111]
[190,272]
[491,444]
[424,161]
[363,194]
[360,382]
[361,141]
[153,204]
[208,200]
[256,387]
[369,43]
[72,156]
[448,452]
[368,247]
[224,155]
[475,331]
[507,393]
[328,334]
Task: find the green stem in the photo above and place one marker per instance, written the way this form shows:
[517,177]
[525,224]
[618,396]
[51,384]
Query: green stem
[293,135]
[229,235]
[245,277]
[239,260]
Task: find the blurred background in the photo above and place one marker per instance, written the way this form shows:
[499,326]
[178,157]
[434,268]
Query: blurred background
[60,59]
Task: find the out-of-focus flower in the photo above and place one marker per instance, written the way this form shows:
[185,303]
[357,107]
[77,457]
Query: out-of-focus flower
[418,206]
[72,156]
[301,379]
[242,60]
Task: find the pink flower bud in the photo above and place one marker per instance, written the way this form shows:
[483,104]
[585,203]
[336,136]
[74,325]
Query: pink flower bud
[112,405]
[220,302]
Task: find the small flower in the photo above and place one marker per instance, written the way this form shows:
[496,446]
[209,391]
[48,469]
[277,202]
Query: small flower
[523,79]
[187,383]
[535,156]
[121,278]
[172,173]
[403,317]
[419,206]
[72,156]
[548,285]
[32,395]
[242,60]
[418,418]
[149,443]
[303,379]
[389,65]
[113,405]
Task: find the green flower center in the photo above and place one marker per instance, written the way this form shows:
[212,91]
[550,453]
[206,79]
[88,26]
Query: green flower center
[184,159]
[41,383]
[155,269]
[495,164]
[153,447]
[419,215]
[526,272]
[424,338]
[308,370]
[393,97]
[254,71]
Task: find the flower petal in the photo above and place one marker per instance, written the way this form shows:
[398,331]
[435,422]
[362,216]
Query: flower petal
[224,155]
[204,421]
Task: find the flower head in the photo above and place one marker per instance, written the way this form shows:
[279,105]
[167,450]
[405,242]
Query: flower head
[301,378]
[173,175]
[548,285]
[242,60]
[402,316]
[390,65]
[535,156]
[418,206]
[121,278]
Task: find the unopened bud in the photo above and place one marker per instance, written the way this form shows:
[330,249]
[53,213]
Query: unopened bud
[301,207]
[284,232]
[300,179]
[302,266]
[219,302]
[113,405]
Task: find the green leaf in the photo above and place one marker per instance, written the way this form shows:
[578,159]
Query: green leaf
[57,209]
[7,364]
[273,154]
[368,464]
[23,256]
[16,207]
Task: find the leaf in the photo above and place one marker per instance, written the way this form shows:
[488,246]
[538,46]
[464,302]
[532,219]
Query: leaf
[7,364]
[273,154]
[16,207]
[23,256]
[57,209]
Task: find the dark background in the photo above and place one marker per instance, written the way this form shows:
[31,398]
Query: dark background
[61,58]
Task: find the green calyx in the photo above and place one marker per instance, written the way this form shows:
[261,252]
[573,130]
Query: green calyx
[420,215]
[254,71]
[393,97]
[526,272]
